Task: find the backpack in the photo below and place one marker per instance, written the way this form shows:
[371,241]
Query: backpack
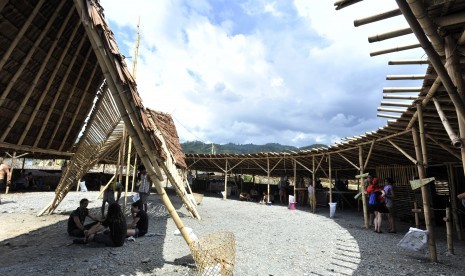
[373,200]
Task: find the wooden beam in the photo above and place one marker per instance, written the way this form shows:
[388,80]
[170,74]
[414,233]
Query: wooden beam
[399,97]
[389,35]
[425,193]
[450,131]
[395,49]
[368,156]
[33,150]
[406,77]
[409,62]
[81,102]
[19,35]
[400,104]
[25,61]
[433,56]
[52,49]
[68,99]
[57,94]
[350,162]
[377,17]
[445,147]
[402,89]
[403,152]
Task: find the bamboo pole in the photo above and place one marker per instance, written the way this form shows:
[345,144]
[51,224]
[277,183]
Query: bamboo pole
[417,217]
[106,186]
[20,34]
[12,166]
[450,242]
[268,185]
[25,60]
[57,95]
[377,17]
[455,72]
[389,35]
[395,49]
[225,195]
[403,152]
[453,199]
[368,156]
[450,131]
[128,166]
[330,180]
[422,134]
[448,149]
[350,162]
[295,180]
[128,116]
[314,185]
[425,193]
[46,90]
[68,99]
[362,180]
[433,56]
[134,173]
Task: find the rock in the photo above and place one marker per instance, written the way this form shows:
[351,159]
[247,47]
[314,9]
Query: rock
[146,260]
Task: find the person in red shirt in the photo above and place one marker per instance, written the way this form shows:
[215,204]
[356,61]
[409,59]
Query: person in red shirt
[376,203]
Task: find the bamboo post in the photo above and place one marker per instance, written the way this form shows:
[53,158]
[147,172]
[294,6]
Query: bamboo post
[450,242]
[295,180]
[106,186]
[425,192]
[268,182]
[12,166]
[364,198]
[422,133]
[330,180]
[314,185]
[453,200]
[416,212]
[225,195]
[128,166]
[134,173]
[455,72]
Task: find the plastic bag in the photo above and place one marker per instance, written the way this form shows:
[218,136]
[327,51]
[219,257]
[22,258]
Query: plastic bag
[415,239]
[135,197]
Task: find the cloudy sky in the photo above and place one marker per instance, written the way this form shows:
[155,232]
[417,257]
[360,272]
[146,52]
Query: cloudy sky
[255,71]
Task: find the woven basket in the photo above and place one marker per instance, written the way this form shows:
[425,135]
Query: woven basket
[198,198]
[214,254]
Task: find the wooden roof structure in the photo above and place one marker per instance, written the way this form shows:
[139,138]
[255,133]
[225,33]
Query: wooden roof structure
[61,73]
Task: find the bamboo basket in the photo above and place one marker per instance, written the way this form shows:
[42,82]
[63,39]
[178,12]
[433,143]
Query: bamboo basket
[198,198]
[214,254]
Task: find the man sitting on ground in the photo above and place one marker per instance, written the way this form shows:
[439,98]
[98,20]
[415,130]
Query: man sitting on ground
[76,227]
[140,221]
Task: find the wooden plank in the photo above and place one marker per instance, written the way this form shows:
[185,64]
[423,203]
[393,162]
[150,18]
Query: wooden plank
[420,182]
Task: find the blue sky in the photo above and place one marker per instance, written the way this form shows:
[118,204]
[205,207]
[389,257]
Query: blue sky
[290,72]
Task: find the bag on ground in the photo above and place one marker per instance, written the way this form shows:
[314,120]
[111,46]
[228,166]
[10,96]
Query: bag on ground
[415,239]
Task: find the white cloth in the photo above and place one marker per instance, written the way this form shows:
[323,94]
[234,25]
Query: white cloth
[145,183]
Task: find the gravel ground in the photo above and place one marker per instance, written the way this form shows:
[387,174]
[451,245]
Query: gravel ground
[270,240]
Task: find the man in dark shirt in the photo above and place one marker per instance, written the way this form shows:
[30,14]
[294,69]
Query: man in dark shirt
[76,227]
[112,231]
[140,221]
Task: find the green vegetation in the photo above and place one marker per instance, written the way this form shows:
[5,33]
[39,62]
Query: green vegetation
[200,147]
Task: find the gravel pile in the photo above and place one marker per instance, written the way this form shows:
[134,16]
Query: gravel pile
[270,240]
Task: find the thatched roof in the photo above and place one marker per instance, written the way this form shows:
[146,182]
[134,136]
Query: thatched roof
[49,76]
[165,124]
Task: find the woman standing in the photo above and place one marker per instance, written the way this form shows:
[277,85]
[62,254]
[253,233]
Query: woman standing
[389,196]
[376,203]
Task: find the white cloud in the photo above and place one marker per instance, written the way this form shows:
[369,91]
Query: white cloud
[260,71]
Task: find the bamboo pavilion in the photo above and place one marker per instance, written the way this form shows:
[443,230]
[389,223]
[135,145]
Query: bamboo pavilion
[62,72]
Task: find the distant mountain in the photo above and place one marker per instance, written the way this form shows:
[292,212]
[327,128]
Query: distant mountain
[200,147]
